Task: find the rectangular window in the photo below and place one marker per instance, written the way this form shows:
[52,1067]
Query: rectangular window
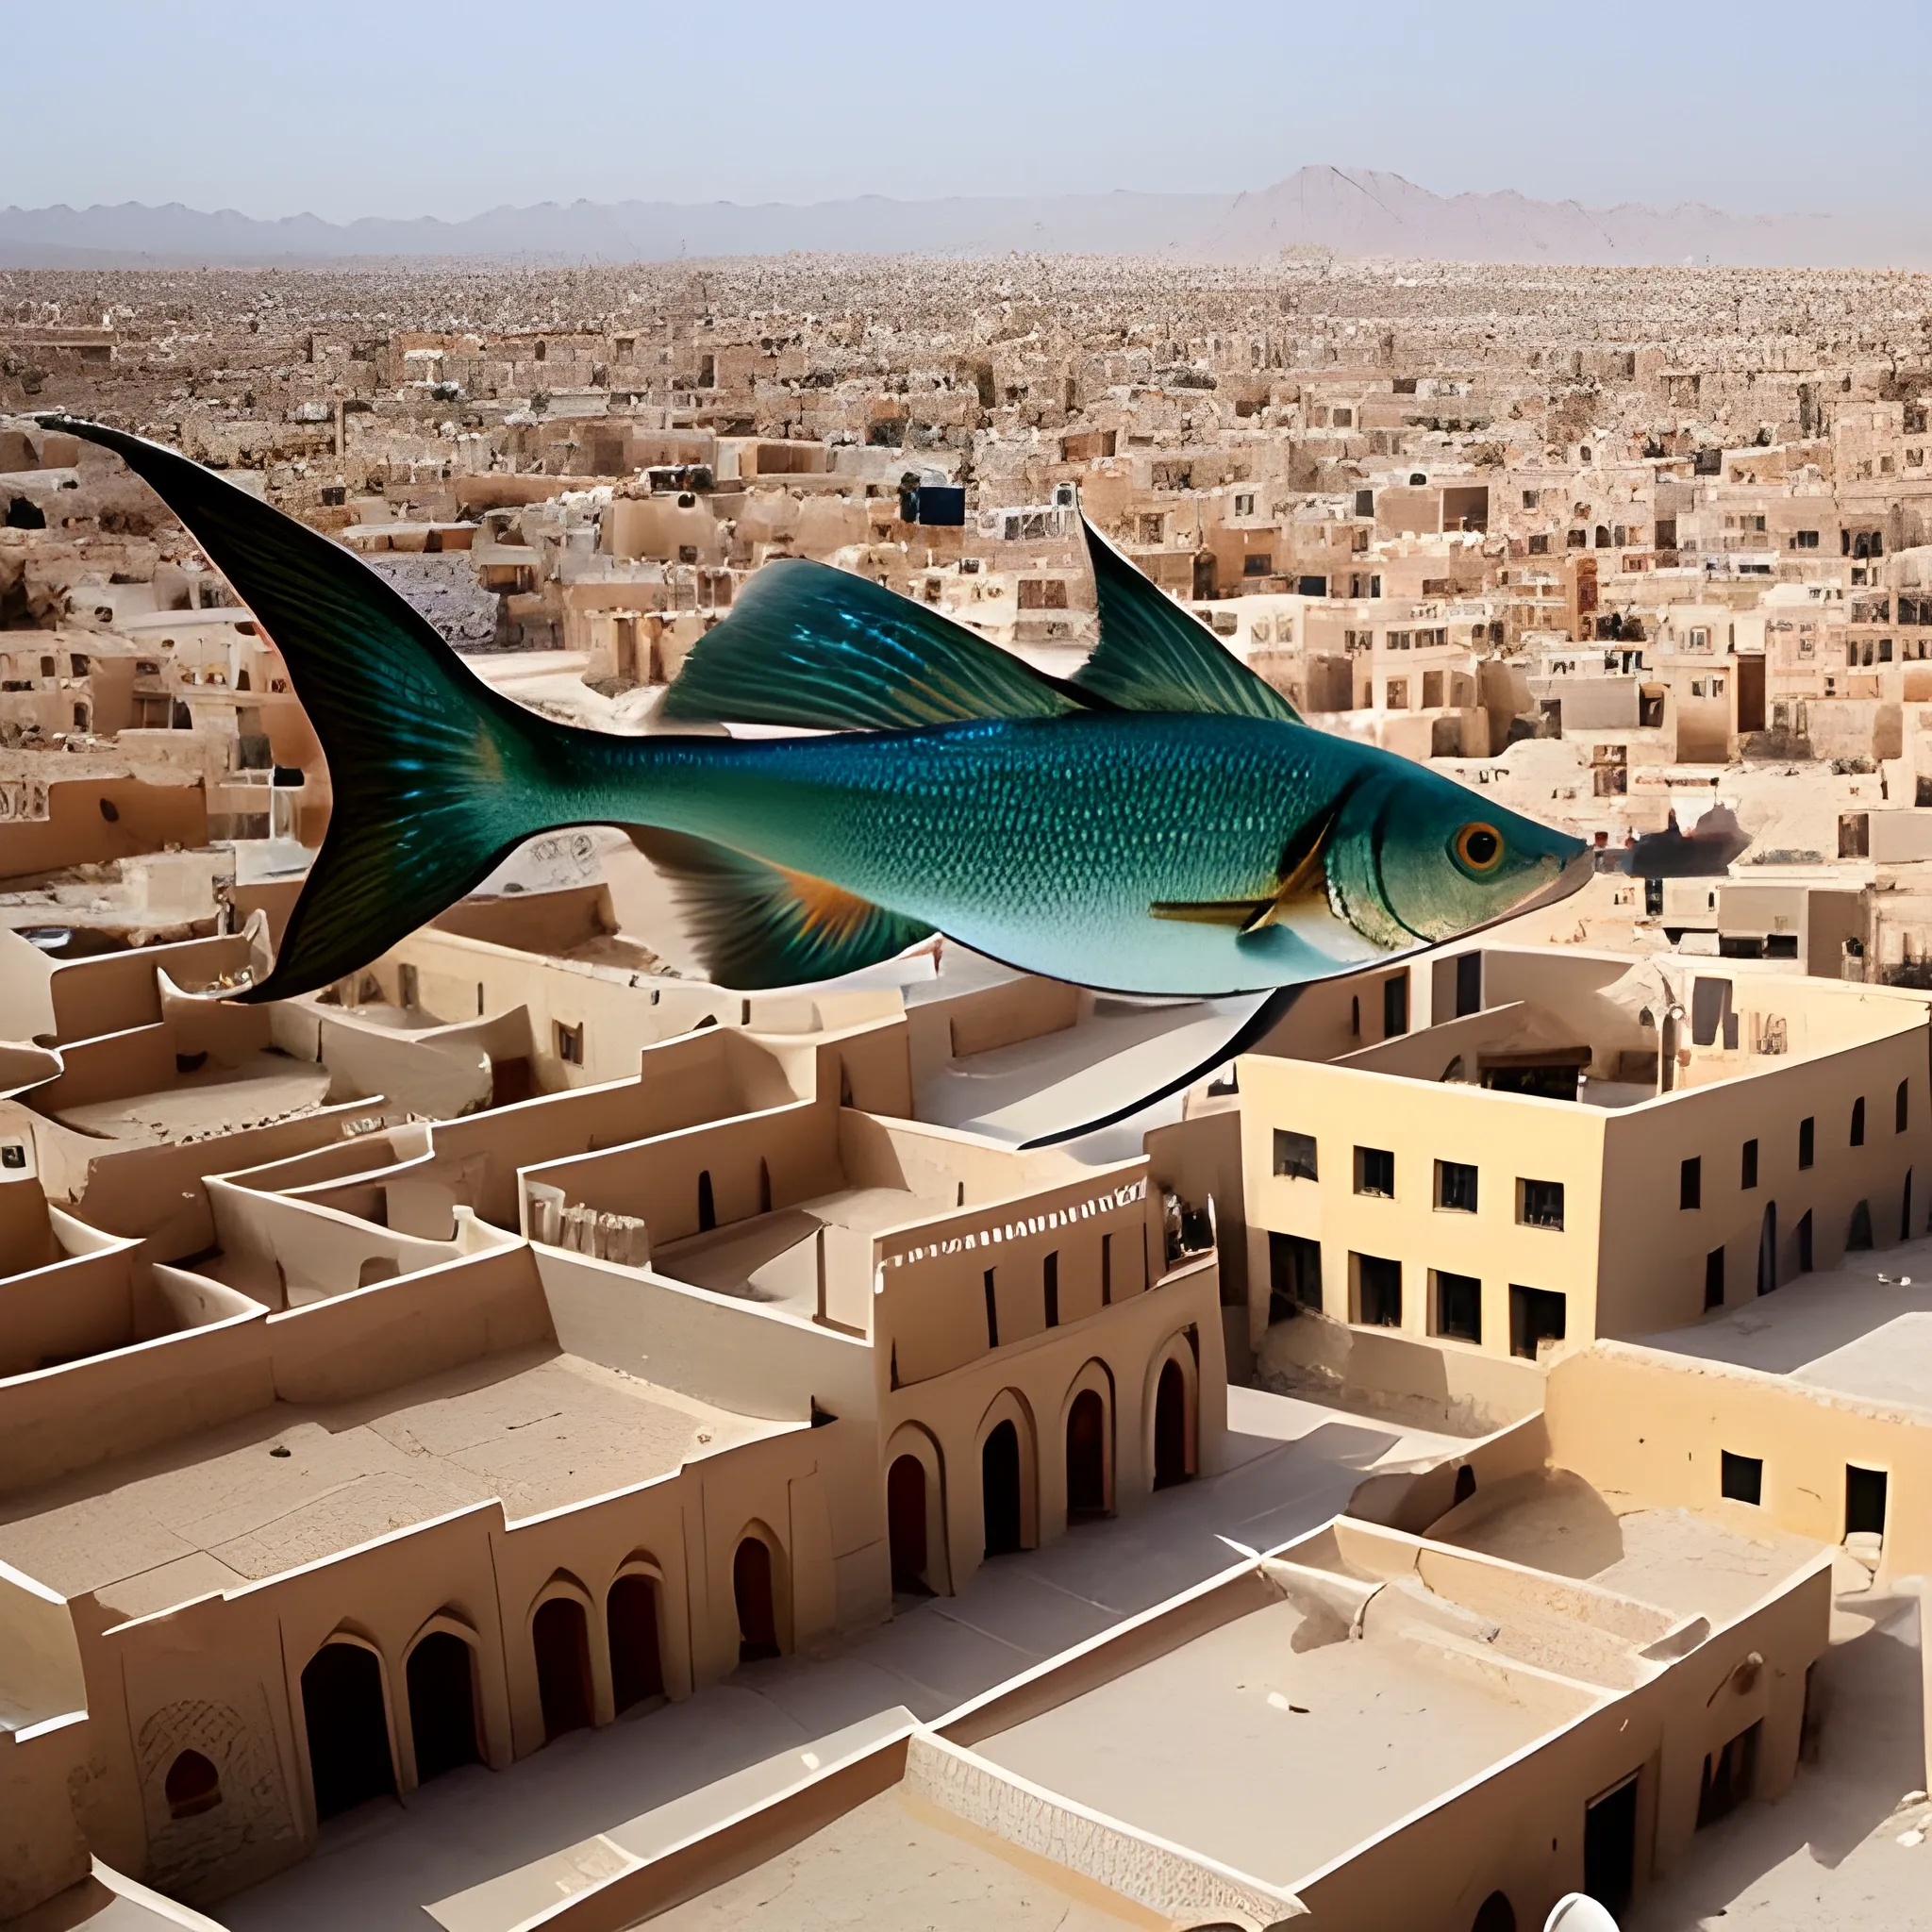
[1395,1005]
[1294,1156]
[1808,1135]
[1540,1204]
[1864,1500]
[1536,1316]
[1469,983]
[1690,1183]
[1243,505]
[1859,1121]
[1749,1177]
[1294,1275]
[992,1313]
[1458,1300]
[1375,1172]
[1456,1187]
[1378,1291]
[406,987]
[1740,1477]
[1714,1279]
[570,1043]
[1901,1108]
[1107,1270]
[1052,1272]
[1539,543]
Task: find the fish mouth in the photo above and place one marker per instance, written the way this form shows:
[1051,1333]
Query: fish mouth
[1574,876]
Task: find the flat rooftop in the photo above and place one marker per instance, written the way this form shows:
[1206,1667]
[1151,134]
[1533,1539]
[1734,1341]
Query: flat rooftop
[1270,1746]
[895,1861]
[1691,1565]
[539,1430]
[1861,1330]
[215,1099]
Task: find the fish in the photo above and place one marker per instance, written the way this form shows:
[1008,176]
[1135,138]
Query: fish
[1162,823]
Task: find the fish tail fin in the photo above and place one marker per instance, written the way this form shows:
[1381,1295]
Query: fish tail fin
[435,777]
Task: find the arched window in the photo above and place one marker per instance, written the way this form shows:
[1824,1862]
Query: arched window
[707,1208]
[1086,1457]
[1495,1914]
[443,1704]
[751,1586]
[349,1759]
[1859,1121]
[194,1786]
[637,1659]
[1170,1427]
[561,1635]
[999,1480]
[906,1526]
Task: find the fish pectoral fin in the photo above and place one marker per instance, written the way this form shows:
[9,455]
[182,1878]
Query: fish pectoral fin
[1304,873]
[759,925]
[1236,912]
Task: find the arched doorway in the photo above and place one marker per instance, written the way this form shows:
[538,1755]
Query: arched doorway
[750,1586]
[637,1660]
[906,1524]
[1170,1427]
[561,1635]
[443,1704]
[349,1759]
[1767,1250]
[999,1487]
[1086,1457]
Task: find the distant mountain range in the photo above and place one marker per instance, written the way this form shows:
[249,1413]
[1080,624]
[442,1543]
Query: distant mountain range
[1354,211]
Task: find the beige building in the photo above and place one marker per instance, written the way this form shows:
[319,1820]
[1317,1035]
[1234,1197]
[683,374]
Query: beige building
[1576,1146]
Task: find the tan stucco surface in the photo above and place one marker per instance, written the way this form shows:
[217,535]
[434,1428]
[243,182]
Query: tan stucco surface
[892,1862]
[1668,1558]
[535,1431]
[1270,1758]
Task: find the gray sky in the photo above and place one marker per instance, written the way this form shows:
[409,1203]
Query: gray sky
[352,108]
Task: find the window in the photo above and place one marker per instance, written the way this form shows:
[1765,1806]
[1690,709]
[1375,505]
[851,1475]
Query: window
[1531,498]
[1690,1183]
[1864,1500]
[1804,1242]
[1258,563]
[992,1313]
[1901,1108]
[1395,1002]
[1536,1316]
[1375,1172]
[1749,1177]
[1804,539]
[1294,1275]
[1740,1477]
[407,994]
[1294,1156]
[1714,1279]
[1456,1187]
[1807,1140]
[570,1043]
[1859,1121]
[1539,545]
[1458,1305]
[1365,503]
[194,1786]
[1378,1291]
[1540,1204]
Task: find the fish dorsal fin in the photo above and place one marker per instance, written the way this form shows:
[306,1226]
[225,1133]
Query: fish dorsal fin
[809,645]
[1153,657]
[759,925]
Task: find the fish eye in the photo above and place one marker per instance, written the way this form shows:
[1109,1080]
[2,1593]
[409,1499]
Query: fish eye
[1479,847]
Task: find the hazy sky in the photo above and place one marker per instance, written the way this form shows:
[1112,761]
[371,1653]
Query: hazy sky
[349,108]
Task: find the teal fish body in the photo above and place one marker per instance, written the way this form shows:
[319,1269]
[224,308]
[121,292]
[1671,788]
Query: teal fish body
[1049,843]
[1161,823]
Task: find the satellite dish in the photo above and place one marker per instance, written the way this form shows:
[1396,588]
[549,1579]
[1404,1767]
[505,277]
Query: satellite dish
[1577,1912]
